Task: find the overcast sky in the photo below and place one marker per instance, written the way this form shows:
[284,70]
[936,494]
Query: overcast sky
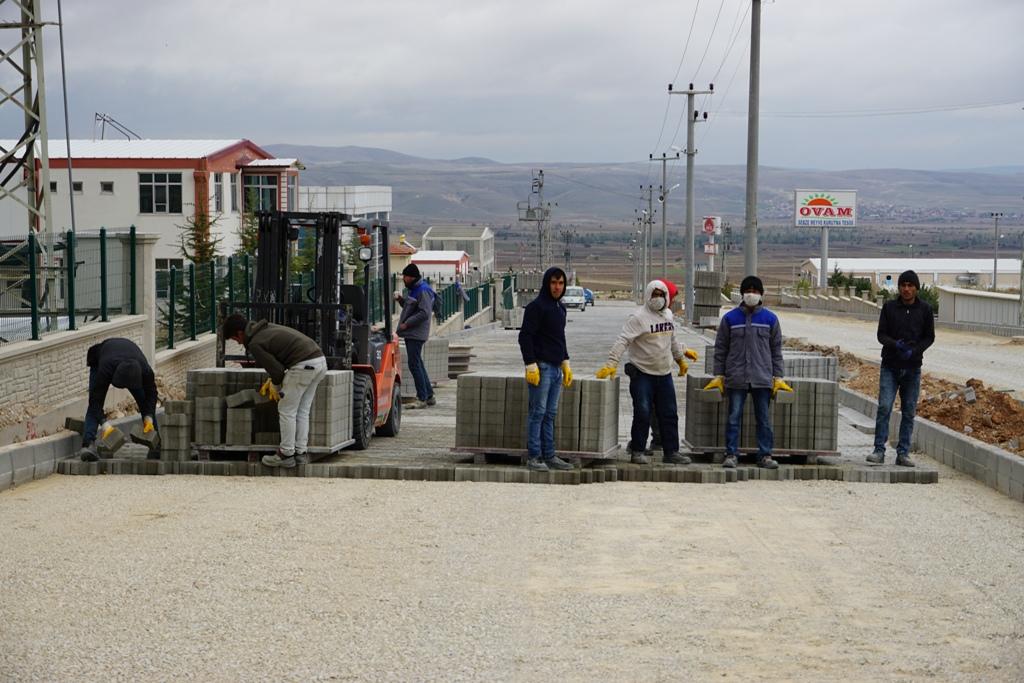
[561,80]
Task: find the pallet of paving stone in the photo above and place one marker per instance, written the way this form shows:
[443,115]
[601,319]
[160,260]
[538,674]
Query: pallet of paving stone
[520,454]
[254,452]
[458,360]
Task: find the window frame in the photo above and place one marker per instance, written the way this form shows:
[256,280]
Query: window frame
[103,190]
[161,186]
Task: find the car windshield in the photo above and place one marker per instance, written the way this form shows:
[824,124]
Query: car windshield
[574,291]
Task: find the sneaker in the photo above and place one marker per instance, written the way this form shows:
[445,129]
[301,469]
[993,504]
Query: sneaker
[638,458]
[276,460]
[556,463]
[904,461]
[302,458]
[876,458]
[536,464]
[649,452]
[729,462]
[676,459]
[766,462]
[416,405]
[89,453]
[431,401]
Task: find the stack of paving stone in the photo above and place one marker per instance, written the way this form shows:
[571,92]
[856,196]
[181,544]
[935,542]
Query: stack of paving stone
[798,364]
[491,413]
[435,358]
[176,431]
[228,410]
[707,298]
[805,420]
[529,282]
[512,318]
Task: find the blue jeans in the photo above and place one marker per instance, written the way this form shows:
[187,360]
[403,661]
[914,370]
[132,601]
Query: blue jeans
[93,417]
[657,394]
[418,369]
[765,435]
[540,421]
[908,383]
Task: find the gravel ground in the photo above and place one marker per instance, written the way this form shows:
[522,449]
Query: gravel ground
[203,578]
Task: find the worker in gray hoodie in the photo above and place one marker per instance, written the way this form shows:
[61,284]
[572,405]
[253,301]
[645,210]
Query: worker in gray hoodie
[296,366]
[650,336]
[414,328]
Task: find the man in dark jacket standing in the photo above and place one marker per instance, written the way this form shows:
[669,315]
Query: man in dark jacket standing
[542,344]
[906,327]
[117,362]
[748,359]
[296,364]
[414,328]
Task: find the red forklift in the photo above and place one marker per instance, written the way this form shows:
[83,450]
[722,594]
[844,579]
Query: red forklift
[351,323]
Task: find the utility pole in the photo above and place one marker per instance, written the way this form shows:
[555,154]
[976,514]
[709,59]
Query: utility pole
[568,235]
[663,198]
[691,151]
[536,211]
[753,105]
[650,239]
[995,216]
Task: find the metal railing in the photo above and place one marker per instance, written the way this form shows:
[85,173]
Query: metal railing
[194,293]
[89,278]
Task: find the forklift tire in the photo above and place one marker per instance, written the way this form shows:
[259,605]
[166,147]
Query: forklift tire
[394,421]
[362,412]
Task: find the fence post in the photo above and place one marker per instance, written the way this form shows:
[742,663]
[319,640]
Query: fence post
[103,275]
[231,282]
[34,290]
[192,300]
[248,286]
[172,295]
[132,266]
[213,296]
[70,253]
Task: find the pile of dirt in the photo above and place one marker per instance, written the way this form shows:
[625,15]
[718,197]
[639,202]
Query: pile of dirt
[993,416]
[19,414]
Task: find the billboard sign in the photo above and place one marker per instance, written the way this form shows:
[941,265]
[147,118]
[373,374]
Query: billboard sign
[712,225]
[825,208]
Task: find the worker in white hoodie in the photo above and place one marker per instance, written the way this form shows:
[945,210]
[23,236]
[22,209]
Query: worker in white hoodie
[650,336]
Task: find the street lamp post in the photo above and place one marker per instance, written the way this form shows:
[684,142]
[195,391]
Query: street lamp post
[995,215]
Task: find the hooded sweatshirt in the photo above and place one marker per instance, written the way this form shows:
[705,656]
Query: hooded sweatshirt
[650,337]
[275,348]
[104,358]
[542,336]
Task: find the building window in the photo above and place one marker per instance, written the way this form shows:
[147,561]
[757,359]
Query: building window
[53,186]
[234,193]
[293,183]
[218,193]
[260,192]
[159,193]
[163,275]
[76,187]
[107,187]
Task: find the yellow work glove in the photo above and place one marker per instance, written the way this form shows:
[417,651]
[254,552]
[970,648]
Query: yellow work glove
[106,429]
[533,374]
[607,372]
[683,366]
[270,391]
[566,374]
[690,353]
[717,383]
[779,384]
[147,424]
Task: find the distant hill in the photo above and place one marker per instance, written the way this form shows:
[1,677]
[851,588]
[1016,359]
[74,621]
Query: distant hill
[476,189]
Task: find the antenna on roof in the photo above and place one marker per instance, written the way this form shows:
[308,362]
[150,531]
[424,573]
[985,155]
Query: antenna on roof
[104,119]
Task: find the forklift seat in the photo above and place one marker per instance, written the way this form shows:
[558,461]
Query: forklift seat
[353,296]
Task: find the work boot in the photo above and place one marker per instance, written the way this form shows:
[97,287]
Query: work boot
[876,458]
[729,462]
[417,405]
[89,453]
[536,464]
[302,458]
[676,458]
[766,462]
[279,460]
[556,463]
[904,461]
[431,401]
[638,458]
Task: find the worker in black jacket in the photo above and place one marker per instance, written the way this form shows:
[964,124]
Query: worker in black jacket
[906,327]
[121,363]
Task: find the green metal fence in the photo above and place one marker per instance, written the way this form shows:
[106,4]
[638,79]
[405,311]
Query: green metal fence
[74,280]
[194,292]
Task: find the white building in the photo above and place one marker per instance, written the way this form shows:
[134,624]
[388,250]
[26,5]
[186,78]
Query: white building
[885,272]
[441,266]
[475,240]
[358,201]
[158,186]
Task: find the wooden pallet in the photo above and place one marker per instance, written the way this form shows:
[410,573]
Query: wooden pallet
[800,456]
[254,452]
[519,455]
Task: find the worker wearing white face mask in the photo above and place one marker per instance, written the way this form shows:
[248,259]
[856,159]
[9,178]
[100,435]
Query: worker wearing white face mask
[748,360]
[650,336]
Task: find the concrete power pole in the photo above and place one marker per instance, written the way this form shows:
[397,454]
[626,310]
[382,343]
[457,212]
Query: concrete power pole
[995,216]
[664,158]
[691,151]
[753,105]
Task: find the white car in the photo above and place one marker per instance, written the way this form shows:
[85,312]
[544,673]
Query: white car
[574,298]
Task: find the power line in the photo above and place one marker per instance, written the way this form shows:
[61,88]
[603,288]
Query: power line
[711,37]
[866,113]
[593,187]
